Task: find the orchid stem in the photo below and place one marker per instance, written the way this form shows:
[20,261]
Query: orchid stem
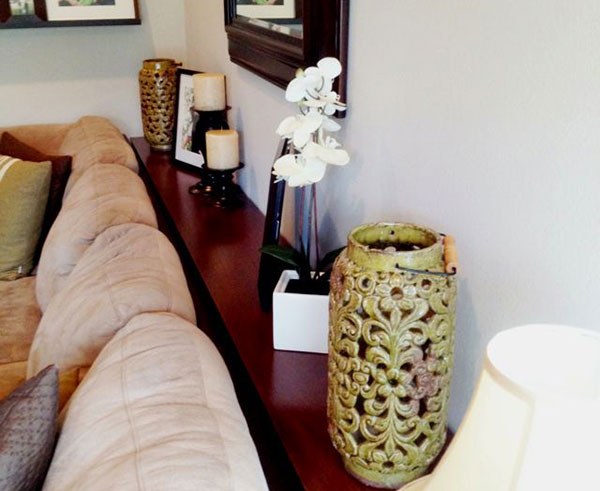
[301,220]
[316,220]
[306,220]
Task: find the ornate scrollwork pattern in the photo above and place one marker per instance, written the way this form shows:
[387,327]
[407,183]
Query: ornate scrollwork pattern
[391,342]
[157,95]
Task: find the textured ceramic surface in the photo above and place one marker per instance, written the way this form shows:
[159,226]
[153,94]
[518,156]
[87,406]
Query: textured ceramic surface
[158,81]
[391,341]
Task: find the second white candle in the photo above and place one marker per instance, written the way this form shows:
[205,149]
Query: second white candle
[222,149]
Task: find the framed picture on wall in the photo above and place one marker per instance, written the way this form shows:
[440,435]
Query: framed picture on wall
[184,121]
[91,9]
[65,13]
[267,9]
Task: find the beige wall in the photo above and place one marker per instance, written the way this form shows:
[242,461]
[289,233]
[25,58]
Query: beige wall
[59,74]
[479,119]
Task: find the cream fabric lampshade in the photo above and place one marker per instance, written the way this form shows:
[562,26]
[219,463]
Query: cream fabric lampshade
[534,419]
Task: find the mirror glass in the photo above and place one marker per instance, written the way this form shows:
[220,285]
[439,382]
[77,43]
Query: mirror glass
[283,16]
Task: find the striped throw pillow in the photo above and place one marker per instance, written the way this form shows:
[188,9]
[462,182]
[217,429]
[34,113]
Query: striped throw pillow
[23,196]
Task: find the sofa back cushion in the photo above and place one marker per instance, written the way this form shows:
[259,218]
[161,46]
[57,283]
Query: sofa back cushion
[23,195]
[94,140]
[105,196]
[159,412]
[128,270]
[46,137]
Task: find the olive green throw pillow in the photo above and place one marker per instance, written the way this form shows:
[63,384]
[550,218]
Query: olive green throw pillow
[23,196]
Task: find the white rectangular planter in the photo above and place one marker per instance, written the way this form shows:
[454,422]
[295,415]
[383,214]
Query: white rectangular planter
[300,321]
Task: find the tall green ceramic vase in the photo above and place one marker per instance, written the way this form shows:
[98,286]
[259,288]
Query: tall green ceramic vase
[391,342]
[158,87]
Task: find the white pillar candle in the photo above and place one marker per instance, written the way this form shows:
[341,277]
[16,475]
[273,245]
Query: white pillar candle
[209,91]
[222,149]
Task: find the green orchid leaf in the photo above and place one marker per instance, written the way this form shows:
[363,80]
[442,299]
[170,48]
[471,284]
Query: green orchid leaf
[285,254]
[329,258]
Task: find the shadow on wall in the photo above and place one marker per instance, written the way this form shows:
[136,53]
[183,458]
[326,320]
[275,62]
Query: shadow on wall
[73,53]
[339,188]
[55,75]
[467,358]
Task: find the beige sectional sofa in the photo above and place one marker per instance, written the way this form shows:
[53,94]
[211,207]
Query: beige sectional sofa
[157,409]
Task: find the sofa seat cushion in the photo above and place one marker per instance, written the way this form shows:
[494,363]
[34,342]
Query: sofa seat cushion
[19,318]
[157,411]
[11,376]
[105,196]
[14,374]
[128,270]
[94,140]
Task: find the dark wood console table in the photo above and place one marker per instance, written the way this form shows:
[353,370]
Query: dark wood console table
[219,249]
[283,394]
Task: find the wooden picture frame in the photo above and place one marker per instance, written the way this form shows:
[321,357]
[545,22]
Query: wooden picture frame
[22,13]
[68,13]
[270,268]
[184,121]
[273,52]
[285,9]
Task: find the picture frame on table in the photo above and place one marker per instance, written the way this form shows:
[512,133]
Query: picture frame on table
[270,268]
[67,13]
[184,121]
[257,9]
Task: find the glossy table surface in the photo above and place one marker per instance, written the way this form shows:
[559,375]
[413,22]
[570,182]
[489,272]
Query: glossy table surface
[224,244]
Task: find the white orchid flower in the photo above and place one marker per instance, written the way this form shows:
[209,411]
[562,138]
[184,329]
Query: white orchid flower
[329,103]
[329,153]
[332,104]
[307,81]
[300,128]
[330,67]
[310,165]
[314,82]
[312,89]
[298,171]
[330,125]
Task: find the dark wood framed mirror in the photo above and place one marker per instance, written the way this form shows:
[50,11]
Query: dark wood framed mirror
[273,38]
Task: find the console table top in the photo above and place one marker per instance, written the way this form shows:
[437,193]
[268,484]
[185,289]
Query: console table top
[224,244]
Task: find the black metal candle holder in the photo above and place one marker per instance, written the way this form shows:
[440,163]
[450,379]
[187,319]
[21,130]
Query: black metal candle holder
[220,189]
[205,121]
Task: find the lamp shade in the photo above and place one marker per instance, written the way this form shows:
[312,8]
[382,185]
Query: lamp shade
[534,420]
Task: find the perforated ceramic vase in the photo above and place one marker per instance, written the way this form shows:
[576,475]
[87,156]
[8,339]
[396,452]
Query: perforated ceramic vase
[158,82]
[391,342]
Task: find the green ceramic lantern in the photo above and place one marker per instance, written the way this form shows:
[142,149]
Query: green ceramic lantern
[158,87]
[391,341]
